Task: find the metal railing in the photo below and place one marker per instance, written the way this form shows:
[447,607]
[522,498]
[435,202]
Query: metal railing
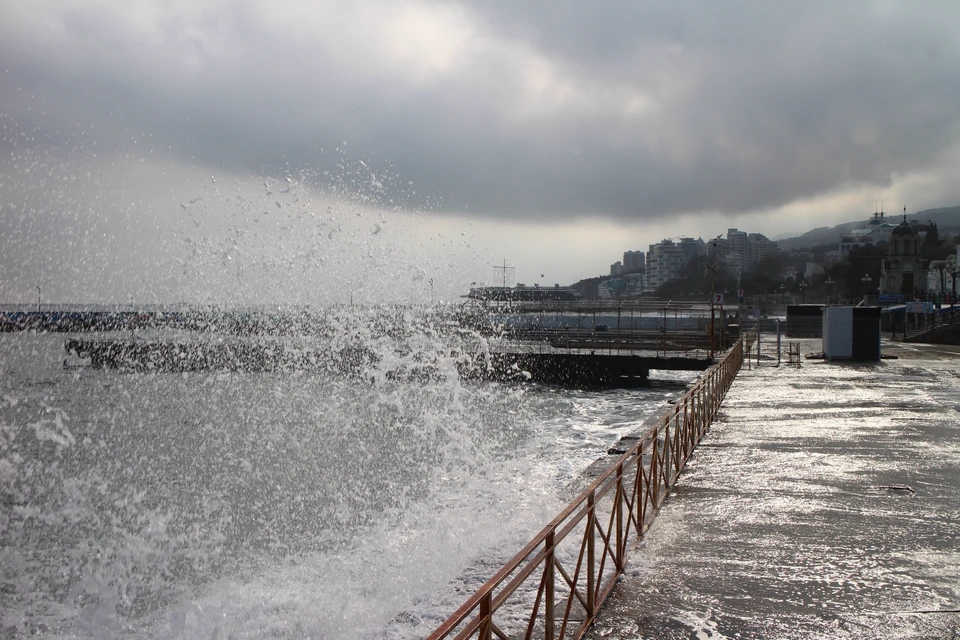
[925,323]
[554,586]
[686,343]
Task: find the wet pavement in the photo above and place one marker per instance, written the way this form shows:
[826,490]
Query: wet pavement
[823,503]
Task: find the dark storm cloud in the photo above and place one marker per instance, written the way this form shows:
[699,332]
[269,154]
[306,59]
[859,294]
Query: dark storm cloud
[620,109]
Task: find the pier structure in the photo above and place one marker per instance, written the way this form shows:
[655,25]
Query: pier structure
[515,361]
[618,321]
[823,505]
[554,587]
[820,505]
[603,342]
[619,346]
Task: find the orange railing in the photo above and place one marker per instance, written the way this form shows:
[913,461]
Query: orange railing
[554,587]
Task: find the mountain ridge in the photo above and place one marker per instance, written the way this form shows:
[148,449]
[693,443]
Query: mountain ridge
[946,218]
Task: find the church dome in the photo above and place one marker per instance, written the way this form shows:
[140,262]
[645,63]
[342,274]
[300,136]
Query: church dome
[903,229]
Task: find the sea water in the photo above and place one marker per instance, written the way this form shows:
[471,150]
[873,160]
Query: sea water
[284,505]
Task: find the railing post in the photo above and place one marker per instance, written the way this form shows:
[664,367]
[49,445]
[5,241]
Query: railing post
[619,507]
[654,468]
[591,555]
[711,396]
[548,587]
[486,617]
[702,409]
[666,462]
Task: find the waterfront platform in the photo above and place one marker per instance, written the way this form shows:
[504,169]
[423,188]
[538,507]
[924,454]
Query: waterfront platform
[568,367]
[580,368]
[823,503]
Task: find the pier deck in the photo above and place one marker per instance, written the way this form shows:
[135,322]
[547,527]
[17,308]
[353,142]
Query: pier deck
[824,503]
[515,362]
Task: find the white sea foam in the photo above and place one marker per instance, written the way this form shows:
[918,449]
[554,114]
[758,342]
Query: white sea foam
[277,505]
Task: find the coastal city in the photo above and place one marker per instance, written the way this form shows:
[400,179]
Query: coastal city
[882,259]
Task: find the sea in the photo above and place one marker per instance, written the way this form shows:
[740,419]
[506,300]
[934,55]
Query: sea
[291,504]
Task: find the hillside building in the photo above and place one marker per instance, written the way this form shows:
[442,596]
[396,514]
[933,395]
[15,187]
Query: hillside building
[741,251]
[664,262]
[903,271]
[877,231]
[633,261]
[666,259]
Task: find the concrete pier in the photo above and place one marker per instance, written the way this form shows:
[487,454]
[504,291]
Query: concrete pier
[823,503]
[580,369]
[573,368]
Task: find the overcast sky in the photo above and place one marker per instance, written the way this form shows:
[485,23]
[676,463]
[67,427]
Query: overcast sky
[215,150]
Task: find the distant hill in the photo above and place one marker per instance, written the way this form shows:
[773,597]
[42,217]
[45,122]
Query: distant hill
[818,236]
[946,218]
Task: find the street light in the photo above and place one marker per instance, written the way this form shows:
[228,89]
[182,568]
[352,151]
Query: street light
[866,280]
[783,288]
[829,282]
[953,268]
[713,283]
[803,286]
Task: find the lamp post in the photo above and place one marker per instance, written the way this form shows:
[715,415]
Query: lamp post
[713,284]
[941,266]
[829,282]
[803,287]
[866,280]
[953,268]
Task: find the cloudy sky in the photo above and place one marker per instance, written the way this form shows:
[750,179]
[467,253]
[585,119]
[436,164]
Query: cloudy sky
[215,150]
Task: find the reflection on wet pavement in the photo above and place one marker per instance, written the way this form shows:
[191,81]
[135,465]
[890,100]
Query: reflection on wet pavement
[824,503]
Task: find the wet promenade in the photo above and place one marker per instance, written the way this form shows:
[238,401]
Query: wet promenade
[823,503]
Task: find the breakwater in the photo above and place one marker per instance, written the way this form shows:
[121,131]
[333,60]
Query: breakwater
[229,322]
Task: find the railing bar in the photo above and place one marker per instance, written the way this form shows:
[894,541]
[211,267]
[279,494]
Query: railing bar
[703,401]
[629,497]
[564,574]
[618,511]
[603,558]
[629,500]
[536,608]
[604,592]
[635,519]
[468,631]
[573,592]
[567,528]
[608,546]
[549,592]
[645,483]
[576,574]
[518,579]
[603,534]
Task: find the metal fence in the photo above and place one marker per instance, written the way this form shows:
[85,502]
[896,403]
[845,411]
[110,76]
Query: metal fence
[554,587]
[687,343]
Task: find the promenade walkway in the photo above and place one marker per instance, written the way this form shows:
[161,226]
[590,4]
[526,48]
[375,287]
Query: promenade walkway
[823,503]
